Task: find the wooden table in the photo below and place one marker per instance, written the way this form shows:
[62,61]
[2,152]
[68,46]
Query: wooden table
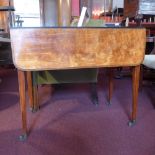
[36,49]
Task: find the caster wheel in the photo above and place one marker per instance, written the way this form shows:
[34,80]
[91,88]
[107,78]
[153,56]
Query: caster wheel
[23,137]
[34,110]
[31,109]
[131,123]
[108,103]
[95,101]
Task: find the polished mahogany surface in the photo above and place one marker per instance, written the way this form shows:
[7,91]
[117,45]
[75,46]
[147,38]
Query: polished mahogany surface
[71,48]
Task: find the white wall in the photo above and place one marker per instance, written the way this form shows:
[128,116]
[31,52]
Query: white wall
[50,10]
[28,11]
[118,3]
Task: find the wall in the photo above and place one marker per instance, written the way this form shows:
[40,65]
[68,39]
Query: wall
[75,8]
[118,3]
[50,10]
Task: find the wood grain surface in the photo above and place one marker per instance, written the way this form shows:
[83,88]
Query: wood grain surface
[71,48]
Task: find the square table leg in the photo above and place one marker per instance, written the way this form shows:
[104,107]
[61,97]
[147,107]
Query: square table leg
[32,93]
[110,84]
[36,105]
[30,89]
[135,87]
[22,94]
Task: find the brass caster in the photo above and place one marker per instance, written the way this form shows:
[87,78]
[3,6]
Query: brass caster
[34,110]
[131,123]
[23,137]
[31,109]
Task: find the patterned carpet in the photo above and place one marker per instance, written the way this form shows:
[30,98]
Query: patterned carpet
[69,124]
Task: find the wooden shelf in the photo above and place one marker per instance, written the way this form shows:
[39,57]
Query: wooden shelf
[144,24]
[7,8]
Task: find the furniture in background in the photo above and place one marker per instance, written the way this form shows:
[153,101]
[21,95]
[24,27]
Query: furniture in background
[34,50]
[147,73]
[5,53]
[18,21]
[6,15]
[138,7]
[6,20]
[141,13]
[149,59]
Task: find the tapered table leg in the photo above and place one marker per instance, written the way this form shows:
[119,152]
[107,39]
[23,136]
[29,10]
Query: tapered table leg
[35,99]
[94,95]
[141,78]
[32,92]
[110,84]
[135,87]
[21,81]
[30,89]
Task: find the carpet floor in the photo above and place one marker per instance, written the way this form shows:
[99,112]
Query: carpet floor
[69,124]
